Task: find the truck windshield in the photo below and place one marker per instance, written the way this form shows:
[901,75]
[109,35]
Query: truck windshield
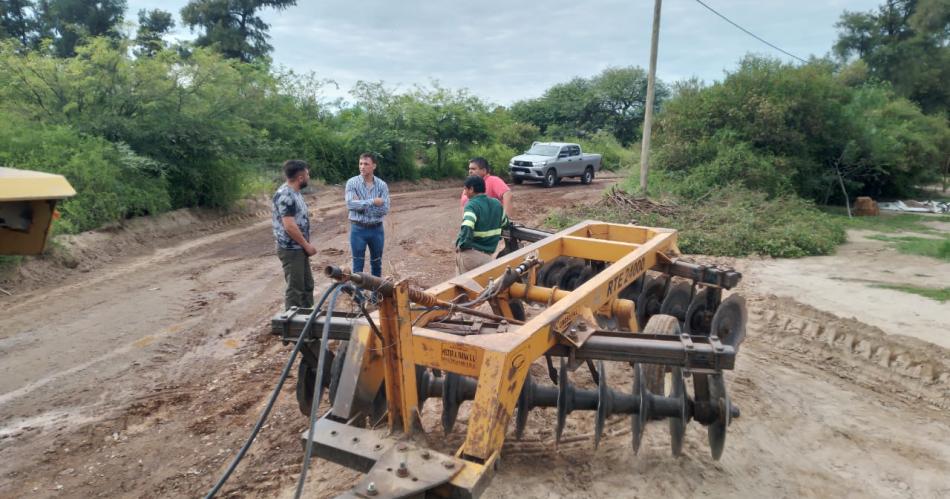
[542,150]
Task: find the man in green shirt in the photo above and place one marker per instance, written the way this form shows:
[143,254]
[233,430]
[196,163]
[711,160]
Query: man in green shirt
[482,220]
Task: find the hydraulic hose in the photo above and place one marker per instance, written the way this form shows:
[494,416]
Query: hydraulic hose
[318,387]
[280,384]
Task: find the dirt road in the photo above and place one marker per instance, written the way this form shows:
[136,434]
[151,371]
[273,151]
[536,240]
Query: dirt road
[141,371]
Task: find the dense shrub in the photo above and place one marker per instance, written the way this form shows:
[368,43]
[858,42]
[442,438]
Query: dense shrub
[111,181]
[732,221]
[786,129]
[615,156]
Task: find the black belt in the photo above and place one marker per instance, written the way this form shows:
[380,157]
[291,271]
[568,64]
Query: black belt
[366,225]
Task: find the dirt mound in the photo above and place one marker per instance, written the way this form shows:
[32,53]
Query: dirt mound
[80,253]
[907,367]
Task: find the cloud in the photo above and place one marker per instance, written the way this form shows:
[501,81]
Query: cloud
[508,50]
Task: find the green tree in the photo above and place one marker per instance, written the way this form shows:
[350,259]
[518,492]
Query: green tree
[16,22]
[153,25]
[210,119]
[443,117]
[378,123]
[613,101]
[905,42]
[620,98]
[68,22]
[232,26]
[506,130]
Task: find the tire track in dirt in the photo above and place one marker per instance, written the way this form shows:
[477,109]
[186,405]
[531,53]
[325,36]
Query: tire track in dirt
[899,365]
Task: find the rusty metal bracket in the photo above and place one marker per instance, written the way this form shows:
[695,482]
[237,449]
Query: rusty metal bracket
[406,471]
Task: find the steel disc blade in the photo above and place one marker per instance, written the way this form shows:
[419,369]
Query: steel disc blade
[650,299]
[676,301]
[549,273]
[525,404]
[678,424]
[450,401]
[697,315]
[730,320]
[604,404]
[336,369]
[306,378]
[639,420]
[542,273]
[717,430]
[565,404]
[571,274]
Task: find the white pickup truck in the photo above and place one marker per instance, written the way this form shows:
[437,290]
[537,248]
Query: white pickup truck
[549,162]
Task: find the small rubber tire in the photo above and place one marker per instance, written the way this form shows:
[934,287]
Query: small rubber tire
[654,375]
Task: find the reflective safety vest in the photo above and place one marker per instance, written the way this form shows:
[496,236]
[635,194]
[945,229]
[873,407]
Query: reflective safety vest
[481,224]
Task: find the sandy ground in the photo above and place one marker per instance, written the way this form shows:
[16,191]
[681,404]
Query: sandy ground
[844,282]
[138,370]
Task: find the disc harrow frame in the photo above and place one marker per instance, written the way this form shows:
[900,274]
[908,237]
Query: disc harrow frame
[439,343]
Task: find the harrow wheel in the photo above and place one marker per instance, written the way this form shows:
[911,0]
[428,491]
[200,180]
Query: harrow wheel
[650,299]
[717,430]
[676,301]
[729,321]
[654,374]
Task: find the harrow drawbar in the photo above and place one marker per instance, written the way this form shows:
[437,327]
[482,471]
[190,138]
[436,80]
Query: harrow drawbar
[606,300]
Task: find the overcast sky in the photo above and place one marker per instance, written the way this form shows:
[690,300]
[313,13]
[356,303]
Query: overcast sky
[506,50]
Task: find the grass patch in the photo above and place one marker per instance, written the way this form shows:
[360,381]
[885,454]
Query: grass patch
[730,221]
[938,294]
[934,248]
[902,222]
[8,262]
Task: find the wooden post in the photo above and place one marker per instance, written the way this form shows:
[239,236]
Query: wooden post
[648,115]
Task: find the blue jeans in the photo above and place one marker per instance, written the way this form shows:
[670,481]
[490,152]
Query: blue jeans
[360,238]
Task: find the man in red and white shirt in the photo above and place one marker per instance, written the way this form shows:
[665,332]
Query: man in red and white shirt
[495,187]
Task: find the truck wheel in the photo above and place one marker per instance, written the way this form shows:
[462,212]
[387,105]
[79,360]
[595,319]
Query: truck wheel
[588,176]
[518,180]
[550,178]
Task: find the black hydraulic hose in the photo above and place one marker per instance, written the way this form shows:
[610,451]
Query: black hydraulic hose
[318,390]
[280,383]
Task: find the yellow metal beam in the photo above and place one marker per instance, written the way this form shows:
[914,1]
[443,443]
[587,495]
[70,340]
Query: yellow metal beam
[595,249]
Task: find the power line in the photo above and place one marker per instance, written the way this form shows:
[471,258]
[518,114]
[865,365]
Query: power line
[753,35]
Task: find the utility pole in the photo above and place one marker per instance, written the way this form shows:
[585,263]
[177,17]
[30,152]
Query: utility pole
[648,115]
